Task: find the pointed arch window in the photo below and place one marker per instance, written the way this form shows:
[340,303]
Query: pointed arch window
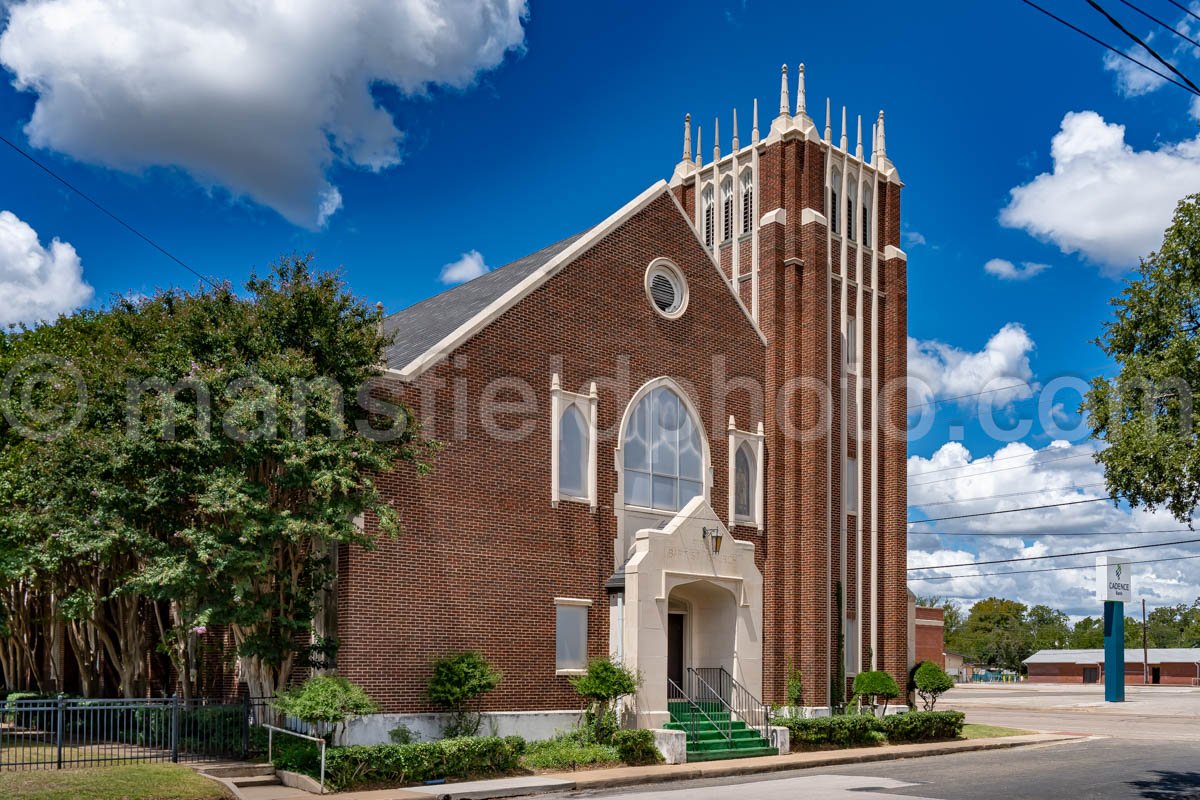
[745,476]
[727,209]
[663,453]
[868,217]
[851,225]
[573,457]
[708,209]
[747,200]
[835,189]
[743,482]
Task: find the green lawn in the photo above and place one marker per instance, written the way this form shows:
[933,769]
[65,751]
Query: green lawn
[135,782]
[973,731]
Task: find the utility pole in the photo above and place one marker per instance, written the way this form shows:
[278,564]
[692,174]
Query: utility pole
[1145,649]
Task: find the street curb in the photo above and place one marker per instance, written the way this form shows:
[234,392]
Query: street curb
[802,761]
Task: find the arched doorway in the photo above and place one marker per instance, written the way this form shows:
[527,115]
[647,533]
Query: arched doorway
[701,629]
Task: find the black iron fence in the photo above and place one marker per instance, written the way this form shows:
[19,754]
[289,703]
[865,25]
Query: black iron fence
[63,732]
[716,685]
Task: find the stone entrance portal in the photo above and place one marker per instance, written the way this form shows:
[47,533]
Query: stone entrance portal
[688,606]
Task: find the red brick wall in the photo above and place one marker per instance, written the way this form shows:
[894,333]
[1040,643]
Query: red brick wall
[1169,674]
[484,553]
[930,638]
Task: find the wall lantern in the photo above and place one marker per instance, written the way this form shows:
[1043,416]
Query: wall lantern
[715,535]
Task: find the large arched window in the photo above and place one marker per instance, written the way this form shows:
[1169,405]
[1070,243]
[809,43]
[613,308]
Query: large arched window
[708,209]
[663,453]
[573,453]
[747,200]
[727,209]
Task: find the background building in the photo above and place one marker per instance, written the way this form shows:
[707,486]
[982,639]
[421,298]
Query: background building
[1177,666]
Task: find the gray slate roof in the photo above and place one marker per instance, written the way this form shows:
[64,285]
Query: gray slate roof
[421,326]
[1157,655]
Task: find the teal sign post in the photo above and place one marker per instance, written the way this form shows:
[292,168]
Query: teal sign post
[1114,586]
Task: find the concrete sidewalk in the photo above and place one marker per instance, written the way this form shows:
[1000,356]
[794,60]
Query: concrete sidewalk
[634,776]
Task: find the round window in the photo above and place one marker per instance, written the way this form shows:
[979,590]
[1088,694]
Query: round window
[666,288]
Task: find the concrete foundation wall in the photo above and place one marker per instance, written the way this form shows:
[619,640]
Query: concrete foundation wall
[531,725]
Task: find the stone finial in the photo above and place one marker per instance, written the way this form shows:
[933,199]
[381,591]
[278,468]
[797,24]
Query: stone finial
[687,137]
[845,140]
[858,148]
[801,101]
[754,133]
[828,126]
[735,136]
[874,140]
[882,140]
[699,145]
[717,139]
[784,105]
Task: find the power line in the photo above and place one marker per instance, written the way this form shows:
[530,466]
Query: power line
[1005,494]
[1145,46]
[1047,569]
[1010,510]
[1001,469]
[1184,8]
[966,396]
[1153,18]
[1058,555]
[22,152]
[994,460]
[1108,46]
[1034,534]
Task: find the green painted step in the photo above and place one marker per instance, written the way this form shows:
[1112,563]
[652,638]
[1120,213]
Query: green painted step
[721,755]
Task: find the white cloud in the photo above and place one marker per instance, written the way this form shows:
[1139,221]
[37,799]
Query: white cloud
[936,369]
[951,482]
[1103,199]
[468,267]
[1008,271]
[37,283]
[259,98]
[913,238]
[1133,80]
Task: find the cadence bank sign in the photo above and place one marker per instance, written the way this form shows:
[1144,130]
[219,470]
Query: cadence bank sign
[1114,583]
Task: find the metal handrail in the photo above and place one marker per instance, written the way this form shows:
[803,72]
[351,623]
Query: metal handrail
[684,696]
[271,746]
[740,703]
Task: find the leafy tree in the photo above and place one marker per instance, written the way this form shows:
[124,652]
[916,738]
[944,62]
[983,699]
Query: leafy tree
[932,682]
[1145,414]
[456,684]
[876,685]
[1088,634]
[996,634]
[605,682]
[1050,629]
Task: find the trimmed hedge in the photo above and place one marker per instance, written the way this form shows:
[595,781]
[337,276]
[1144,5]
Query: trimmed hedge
[398,764]
[840,731]
[923,726]
[636,747]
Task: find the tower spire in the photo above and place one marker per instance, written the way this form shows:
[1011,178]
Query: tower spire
[845,142]
[828,127]
[882,140]
[858,148]
[754,133]
[687,137]
[784,105]
[699,146]
[874,141]
[801,101]
[735,136]
[717,139]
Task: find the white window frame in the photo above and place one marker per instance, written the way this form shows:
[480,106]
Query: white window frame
[867,229]
[571,602]
[851,347]
[850,485]
[835,210]
[747,196]
[708,214]
[756,442]
[560,401]
[728,209]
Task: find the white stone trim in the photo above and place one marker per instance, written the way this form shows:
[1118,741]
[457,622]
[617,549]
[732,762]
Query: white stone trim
[778,215]
[756,442]
[810,215]
[514,295]
[573,601]
[560,401]
[891,251]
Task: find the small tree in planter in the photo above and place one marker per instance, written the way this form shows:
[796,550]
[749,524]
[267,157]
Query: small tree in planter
[795,687]
[876,685]
[325,702]
[605,682]
[932,681]
[457,683]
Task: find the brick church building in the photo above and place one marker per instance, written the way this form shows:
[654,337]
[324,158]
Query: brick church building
[675,438]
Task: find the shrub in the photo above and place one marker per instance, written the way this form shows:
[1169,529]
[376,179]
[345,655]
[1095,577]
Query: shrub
[876,685]
[568,751]
[325,700]
[402,734]
[400,764]
[923,726]
[841,731]
[605,682]
[636,747]
[458,681]
[795,686]
[932,681]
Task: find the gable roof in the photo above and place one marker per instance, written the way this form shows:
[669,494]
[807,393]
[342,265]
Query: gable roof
[429,331]
[421,326]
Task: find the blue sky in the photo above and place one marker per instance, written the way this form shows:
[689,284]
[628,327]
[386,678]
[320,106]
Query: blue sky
[519,131]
